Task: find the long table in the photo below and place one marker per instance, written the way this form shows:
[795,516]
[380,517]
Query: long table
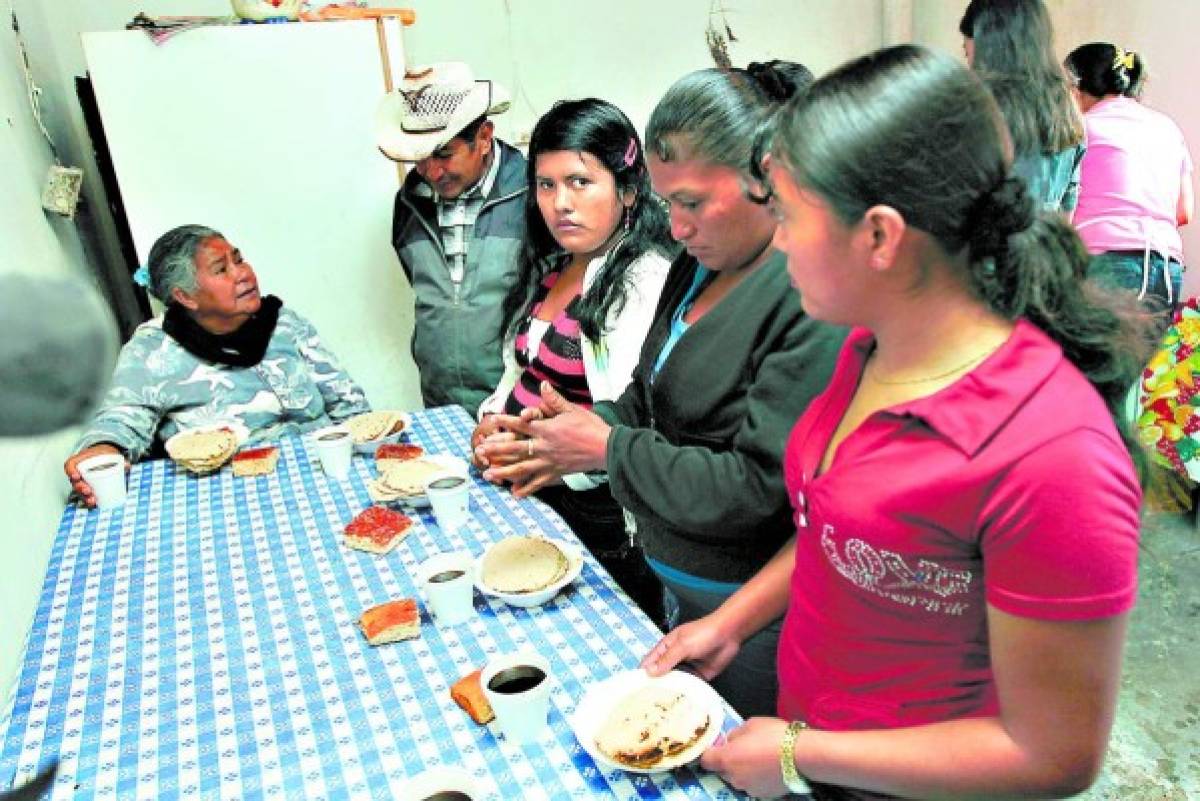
[202,642]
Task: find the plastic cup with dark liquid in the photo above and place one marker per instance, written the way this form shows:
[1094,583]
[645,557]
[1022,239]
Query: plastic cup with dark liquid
[518,688]
[449,582]
[335,446]
[106,476]
[450,497]
[443,783]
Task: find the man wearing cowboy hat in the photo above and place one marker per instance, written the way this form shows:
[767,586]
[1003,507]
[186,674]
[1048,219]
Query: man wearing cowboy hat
[457,225]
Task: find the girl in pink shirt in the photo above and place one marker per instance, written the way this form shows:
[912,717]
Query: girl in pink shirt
[1136,180]
[966,506]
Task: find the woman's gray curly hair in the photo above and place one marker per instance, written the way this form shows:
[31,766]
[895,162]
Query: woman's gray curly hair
[173,260]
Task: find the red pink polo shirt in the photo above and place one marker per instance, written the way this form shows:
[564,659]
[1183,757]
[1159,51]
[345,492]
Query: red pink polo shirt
[1010,487]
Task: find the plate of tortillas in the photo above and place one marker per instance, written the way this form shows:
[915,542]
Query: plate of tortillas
[205,448]
[527,570]
[639,724]
[372,429]
[403,481]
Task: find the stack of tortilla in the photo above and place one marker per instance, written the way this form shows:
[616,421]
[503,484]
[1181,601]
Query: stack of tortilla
[650,725]
[523,564]
[371,426]
[202,451]
[404,480]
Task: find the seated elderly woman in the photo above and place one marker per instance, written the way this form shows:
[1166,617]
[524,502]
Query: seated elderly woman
[220,352]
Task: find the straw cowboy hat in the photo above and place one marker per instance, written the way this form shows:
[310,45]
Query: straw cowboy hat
[431,107]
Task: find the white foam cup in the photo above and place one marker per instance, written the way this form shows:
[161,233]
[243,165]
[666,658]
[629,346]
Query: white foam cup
[105,474]
[334,447]
[518,688]
[448,581]
[441,782]
[450,497]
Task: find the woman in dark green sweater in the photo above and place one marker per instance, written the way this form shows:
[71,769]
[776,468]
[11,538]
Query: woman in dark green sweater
[693,446]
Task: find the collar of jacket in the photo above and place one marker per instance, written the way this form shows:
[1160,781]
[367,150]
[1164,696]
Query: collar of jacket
[509,183]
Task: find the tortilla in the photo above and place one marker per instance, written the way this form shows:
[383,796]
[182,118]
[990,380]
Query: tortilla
[202,451]
[523,564]
[371,426]
[407,479]
[651,724]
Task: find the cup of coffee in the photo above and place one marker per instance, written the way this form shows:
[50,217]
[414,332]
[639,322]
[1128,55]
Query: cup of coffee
[518,688]
[105,474]
[450,497]
[448,581]
[334,446]
[442,783]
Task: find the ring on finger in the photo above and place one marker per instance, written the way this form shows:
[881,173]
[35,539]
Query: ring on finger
[529,447]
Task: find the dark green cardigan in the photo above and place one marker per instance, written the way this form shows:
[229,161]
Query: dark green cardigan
[697,456]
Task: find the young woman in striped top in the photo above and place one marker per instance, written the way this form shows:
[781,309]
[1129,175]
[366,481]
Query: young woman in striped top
[591,268]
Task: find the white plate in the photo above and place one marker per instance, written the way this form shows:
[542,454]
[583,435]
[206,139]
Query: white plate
[236,426]
[600,698]
[539,597]
[453,466]
[373,445]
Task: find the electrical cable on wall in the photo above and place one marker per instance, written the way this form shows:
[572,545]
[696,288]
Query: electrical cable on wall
[517,85]
[63,184]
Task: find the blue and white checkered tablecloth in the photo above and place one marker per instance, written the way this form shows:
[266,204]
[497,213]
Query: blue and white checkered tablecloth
[202,642]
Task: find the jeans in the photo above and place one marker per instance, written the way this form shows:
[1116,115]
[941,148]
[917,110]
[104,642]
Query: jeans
[749,683]
[1123,270]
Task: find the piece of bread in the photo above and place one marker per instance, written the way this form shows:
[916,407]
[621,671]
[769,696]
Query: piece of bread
[255,461]
[377,529]
[467,692]
[523,564]
[651,724]
[391,622]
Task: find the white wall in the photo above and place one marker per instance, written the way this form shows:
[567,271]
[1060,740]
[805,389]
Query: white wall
[626,51]
[1163,31]
[32,489]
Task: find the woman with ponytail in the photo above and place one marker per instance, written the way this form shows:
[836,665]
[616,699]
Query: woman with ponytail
[1010,44]
[966,507]
[1136,181]
[693,447]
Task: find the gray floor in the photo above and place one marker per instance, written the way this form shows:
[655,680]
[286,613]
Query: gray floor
[1155,748]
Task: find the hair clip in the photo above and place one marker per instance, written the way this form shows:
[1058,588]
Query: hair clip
[1123,58]
[141,276]
[631,152]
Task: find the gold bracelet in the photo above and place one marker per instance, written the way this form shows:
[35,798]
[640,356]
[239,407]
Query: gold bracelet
[793,780]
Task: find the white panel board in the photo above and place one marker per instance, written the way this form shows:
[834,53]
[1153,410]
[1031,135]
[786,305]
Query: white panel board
[265,133]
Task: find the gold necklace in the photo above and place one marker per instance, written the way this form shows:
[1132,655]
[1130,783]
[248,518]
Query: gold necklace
[969,363]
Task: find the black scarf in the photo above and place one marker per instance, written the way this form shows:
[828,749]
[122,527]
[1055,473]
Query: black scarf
[244,347]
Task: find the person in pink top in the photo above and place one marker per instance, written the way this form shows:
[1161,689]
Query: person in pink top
[965,501]
[1136,179]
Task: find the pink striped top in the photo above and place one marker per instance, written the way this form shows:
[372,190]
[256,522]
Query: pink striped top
[558,358]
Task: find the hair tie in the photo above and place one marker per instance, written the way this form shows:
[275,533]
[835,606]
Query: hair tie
[631,152]
[1123,58]
[997,214]
[141,276]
